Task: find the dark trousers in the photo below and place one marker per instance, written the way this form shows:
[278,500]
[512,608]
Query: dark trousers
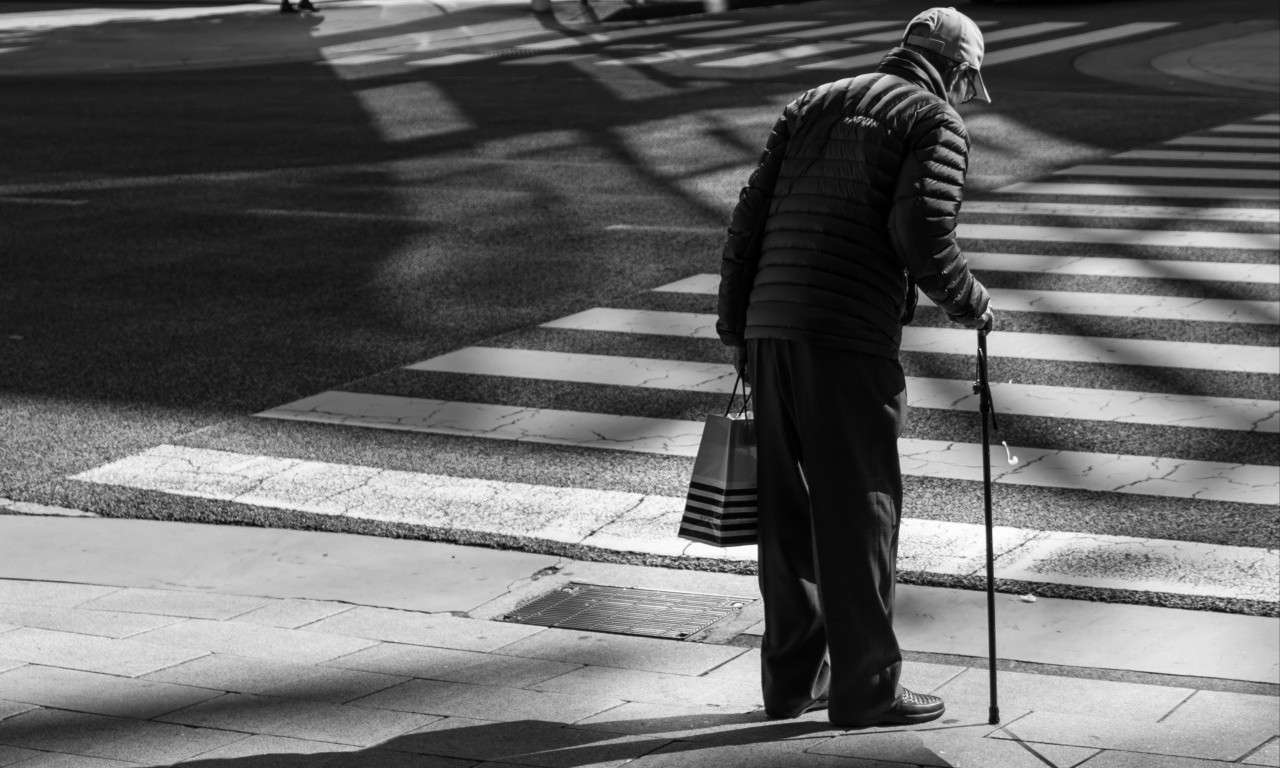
[830,497]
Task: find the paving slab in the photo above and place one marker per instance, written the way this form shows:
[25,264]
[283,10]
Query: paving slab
[1112,759]
[642,653]
[292,614]
[435,629]
[656,687]
[253,641]
[1268,755]
[129,658]
[951,748]
[100,694]
[452,665]
[1048,693]
[483,702]
[80,621]
[110,737]
[10,708]
[168,602]
[524,742]
[267,562]
[1209,742]
[760,754]
[24,590]
[56,760]
[11,755]
[224,672]
[1229,711]
[259,745]
[703,723]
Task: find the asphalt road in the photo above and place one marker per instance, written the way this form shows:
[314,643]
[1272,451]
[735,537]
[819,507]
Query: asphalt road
[182,249]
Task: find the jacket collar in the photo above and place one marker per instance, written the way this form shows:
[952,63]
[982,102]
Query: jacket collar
[914,68]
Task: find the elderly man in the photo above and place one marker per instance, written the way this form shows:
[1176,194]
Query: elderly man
[852,206]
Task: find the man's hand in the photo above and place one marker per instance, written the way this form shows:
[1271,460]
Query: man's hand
[740,361]
[984,322]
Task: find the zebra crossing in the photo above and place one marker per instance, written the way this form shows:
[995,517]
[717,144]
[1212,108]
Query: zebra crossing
[726,45]
[1195,397]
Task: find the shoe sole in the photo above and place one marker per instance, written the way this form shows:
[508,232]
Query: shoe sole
[891,720]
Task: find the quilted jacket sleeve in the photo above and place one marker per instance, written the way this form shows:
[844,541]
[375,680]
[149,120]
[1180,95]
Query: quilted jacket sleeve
[922,223]
[746,229]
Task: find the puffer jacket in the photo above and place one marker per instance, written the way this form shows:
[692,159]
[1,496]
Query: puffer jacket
[854,202]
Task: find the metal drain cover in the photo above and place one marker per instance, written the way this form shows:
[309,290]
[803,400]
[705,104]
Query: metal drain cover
[626,610]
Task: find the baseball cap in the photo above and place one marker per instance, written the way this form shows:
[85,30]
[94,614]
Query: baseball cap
[954,35]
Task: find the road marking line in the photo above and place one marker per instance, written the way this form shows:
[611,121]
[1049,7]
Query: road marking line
[662,57]
[1117,406]
[1104,266]
[1151,237]
[1072,41]
[959,341]
[1247,128]
[634,522]
[869,59]
[836,31]
[1160,172]
[750,30]
[1187,308]
[1105,211]
[1261,158]
[783,54]
[1141,190]
[1224,141]
[1047,468]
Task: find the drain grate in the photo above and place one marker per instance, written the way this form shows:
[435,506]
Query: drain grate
[626,610]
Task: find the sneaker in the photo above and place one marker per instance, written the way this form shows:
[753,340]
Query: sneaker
[912,708]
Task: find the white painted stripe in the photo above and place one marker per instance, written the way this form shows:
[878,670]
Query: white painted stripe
[1125,211]
[960,341]
[631,522]
[869,59]
[1102,266]
[1118,473]
[1224,141]
[750,30]
[836,32]
[1247,128]
[450,60]
[1271,118]
[1115,406]
[1029,30]
[1262,158]
[1018,53]
[1161,238]
[612,36]
[783,54]
[662,57]
[1164,172]
[1075,303]
[1142,190]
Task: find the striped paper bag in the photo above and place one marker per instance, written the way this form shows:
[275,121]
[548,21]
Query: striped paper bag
[721,506]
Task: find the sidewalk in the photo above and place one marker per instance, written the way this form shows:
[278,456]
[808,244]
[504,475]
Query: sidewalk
[128,642]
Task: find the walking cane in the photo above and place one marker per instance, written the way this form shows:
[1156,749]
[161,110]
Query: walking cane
[982,388]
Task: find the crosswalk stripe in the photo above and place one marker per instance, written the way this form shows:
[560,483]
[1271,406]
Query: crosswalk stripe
[941,394]
[1105,266]
[677,54]
[1072,41]
[868,59]
[1046,468]
[1149,237]
[959,341]
[1141,190]
[809,50]
[1181,172]
[1262,158]
[635,522]
[1224,141]
[1247,128]
[751,30]
[1074,303]
[836,32]
[1083,210]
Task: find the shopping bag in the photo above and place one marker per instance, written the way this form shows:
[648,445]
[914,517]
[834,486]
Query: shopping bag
[721,505]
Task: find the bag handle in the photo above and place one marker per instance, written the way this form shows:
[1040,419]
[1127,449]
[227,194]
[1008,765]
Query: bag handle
[746,398]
